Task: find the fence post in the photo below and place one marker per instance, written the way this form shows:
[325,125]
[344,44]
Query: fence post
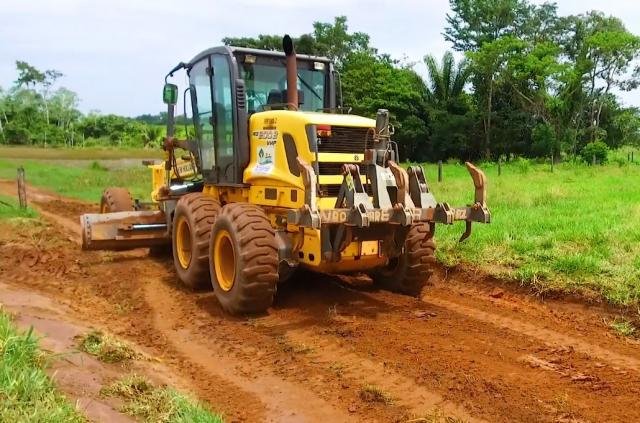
[439,170]
[628,156]
[593,160]
[499,167]
[22,192]
[631,156]
[551,163]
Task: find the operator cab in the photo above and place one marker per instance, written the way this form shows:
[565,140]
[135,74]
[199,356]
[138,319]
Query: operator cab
[229,84]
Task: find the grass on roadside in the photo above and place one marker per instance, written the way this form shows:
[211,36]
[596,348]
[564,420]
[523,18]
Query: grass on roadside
[158,404]
[573,230]
[106,348]
[623,327]
[10,209]
[27,394]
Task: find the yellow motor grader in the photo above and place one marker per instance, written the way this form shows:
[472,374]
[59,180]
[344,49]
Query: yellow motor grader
[277,177]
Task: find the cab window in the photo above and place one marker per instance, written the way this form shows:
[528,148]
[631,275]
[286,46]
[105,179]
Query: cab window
[200,84]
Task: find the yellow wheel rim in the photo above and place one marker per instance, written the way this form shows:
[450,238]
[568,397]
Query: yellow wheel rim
[183,242]
[224,260]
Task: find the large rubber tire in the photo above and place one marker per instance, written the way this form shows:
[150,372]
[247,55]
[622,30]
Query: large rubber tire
[115,199]
[244,259]
[193,219]
[410,272]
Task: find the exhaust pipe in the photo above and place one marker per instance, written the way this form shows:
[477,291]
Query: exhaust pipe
[292,71]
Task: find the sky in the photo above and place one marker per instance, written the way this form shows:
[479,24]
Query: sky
[115,53]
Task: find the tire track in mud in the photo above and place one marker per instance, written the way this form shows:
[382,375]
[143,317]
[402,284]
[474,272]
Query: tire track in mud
[467,361]
[282,400]
[544,335]
[402,390]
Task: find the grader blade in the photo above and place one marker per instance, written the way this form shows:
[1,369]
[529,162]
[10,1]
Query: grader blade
[123,230]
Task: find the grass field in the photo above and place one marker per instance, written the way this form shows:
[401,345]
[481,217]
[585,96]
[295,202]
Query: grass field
[18,152]
[574,230]
[84,181]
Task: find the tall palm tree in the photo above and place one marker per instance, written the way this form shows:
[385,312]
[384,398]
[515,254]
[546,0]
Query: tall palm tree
[446,80]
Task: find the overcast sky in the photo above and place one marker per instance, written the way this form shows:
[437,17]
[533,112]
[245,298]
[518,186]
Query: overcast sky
[115,53]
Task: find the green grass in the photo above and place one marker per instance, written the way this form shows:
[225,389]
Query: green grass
[82,181]
[10,209]
[27,394]
[576,229]
[623,327]
[373,393]
[89,153]
[106,348]
[158,405]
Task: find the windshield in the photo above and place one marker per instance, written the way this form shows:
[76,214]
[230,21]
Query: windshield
[267,83]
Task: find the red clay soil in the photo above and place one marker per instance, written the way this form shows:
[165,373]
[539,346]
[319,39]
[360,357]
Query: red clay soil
[470,349]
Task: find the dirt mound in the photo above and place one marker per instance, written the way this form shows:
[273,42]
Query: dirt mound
[337,349]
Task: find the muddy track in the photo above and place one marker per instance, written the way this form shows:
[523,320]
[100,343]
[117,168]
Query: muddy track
[468,349]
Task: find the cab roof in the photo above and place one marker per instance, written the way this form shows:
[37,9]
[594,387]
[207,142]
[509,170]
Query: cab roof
[243,50]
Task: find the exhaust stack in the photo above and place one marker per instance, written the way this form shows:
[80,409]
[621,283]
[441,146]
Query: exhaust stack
[292,71]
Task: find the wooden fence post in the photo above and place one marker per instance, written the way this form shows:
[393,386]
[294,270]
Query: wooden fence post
[593,160]
[22,192]
[499,167]
[631,156]
[551,163]
[439,170]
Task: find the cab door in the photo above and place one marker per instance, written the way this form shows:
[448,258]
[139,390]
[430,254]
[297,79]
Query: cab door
[224,118]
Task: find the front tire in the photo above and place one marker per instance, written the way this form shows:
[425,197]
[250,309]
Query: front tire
[193,219]
[410,272]
[116,199]
[244,259]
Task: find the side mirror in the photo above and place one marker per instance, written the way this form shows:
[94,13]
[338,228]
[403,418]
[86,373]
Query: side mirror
[170,94]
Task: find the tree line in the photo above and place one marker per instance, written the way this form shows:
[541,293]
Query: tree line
[34,112]
[529,83]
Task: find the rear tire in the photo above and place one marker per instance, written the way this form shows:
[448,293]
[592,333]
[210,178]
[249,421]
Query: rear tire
[244,259]
[116,199]
[410,272]
[193,219]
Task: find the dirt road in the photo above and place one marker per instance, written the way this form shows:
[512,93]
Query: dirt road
[335,349]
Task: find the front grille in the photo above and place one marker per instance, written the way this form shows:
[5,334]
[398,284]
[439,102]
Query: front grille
[325,168]
[331,190]
[346,139]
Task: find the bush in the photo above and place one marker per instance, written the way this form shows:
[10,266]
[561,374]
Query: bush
[522,165]
[598,149]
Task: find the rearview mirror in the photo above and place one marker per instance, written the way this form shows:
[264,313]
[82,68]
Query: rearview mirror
[170,94]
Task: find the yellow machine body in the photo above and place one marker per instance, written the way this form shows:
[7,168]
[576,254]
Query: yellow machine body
[271,183]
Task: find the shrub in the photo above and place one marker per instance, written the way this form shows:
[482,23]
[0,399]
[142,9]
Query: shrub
[523,165]
[598,149]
